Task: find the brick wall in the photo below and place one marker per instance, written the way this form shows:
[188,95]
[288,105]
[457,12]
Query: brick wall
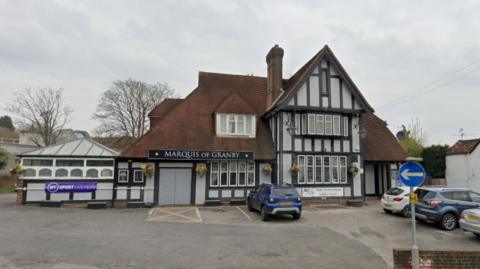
[437,259]
[20,193]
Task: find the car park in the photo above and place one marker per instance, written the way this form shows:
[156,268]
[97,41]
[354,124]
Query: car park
[444,205]
[396,200]
[470,221]
[273,199]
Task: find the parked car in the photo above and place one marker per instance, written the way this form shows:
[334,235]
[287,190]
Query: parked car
[396,200]
[444,205]
[470,221]
[272,199]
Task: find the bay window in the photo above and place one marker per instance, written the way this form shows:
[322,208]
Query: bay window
[235,125]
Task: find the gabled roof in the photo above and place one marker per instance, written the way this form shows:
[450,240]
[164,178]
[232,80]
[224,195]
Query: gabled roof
[379,143]
[234,103]
[191,123]
[164,107]
[295,81]
[83,147]
[463,146]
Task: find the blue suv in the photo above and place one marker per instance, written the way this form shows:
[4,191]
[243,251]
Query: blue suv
[444,205]
[272,199]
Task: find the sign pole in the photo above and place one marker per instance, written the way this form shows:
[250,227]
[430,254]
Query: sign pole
[415,254]
[412,174]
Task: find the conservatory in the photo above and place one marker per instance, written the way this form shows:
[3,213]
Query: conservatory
[73,171]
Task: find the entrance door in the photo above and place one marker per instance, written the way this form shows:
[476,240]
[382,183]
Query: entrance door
[175,186]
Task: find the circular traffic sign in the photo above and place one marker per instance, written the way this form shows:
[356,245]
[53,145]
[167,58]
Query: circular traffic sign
[412,174]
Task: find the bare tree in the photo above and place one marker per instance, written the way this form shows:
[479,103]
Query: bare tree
[42,112]
[123,108]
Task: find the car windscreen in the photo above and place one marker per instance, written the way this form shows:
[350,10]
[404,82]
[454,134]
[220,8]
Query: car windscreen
[395,191]
[285,191]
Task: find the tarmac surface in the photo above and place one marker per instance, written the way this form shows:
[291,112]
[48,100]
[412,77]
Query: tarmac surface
[209,237]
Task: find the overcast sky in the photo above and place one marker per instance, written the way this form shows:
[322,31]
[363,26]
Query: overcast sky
[427,51]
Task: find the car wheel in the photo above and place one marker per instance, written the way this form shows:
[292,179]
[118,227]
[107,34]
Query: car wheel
[296,216]
[387,211]
[477,234]
[449,222]
[264,214]
[406,212]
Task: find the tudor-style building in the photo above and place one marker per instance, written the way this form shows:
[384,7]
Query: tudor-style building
[314,130]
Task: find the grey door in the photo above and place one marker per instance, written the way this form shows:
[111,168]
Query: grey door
[175,186]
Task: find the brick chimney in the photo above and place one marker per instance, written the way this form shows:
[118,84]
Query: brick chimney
[274,74]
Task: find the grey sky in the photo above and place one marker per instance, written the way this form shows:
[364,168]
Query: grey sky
[390,48]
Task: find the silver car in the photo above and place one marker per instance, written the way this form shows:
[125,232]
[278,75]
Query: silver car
[470,221]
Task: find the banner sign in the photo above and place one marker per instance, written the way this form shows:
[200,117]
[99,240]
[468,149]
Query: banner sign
[175,154]
[322,192]
[70,186]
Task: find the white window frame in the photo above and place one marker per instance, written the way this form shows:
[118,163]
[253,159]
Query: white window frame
[221,172]
[301,178]
[342,169]
[230,172]
[328,120]
[311,124]
[237,171]
[324,168]
[345,126]
[214,172]
[318,157]
[244,171]
[135,176]
[319,126]
[304,124]
[244,125]
[336,125]
[118,175]
[334,165]
[310,167]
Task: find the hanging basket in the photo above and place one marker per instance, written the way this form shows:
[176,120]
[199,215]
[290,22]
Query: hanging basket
[16,170]
[201,169]
[148,169]
[267,169]
[295,169]
[353,170]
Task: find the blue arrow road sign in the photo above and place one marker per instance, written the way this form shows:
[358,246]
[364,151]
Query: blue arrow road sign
[412,174]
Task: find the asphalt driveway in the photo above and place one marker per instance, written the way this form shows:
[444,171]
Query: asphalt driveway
[201,237]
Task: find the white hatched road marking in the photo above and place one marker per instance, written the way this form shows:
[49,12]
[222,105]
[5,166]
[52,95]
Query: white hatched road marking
[245,214]
[171,214]
[198,214]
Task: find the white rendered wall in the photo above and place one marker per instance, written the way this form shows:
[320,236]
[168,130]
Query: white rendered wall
[200,189]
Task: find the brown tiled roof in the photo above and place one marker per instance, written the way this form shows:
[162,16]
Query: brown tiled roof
[291,84]
[164,107]
[191,124]
[463,146]
[379,143]
[115,143]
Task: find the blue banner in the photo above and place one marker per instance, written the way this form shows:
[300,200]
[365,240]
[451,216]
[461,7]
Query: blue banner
[70,186]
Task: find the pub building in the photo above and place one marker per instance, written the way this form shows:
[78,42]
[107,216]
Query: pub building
[314,130]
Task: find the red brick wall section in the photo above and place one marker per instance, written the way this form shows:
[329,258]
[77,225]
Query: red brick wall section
[19,192]
[438,259]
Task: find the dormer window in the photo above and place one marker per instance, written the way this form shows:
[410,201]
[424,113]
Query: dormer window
[235,125]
